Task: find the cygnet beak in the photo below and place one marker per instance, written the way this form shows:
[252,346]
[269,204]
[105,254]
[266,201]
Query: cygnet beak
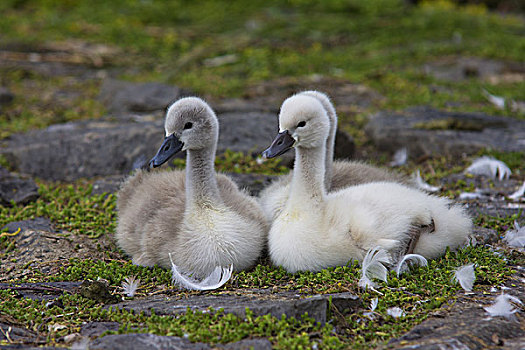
[168,149]
[282,143]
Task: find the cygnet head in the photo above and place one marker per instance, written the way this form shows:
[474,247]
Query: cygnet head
[303,123]
[190,125]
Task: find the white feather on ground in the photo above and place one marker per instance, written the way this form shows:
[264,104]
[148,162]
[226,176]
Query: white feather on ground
[519,193]
[130,285]
[395,312]
[422,185]
[466,276]
[490,167]
[471,195]
[373,306]
[503,306]
[400,157]
[373,267]
[497,101]
[410,259]
[215,280]
[515,238]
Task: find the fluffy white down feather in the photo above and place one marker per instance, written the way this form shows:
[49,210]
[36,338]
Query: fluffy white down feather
[519,193]
[373,267]
[466,276]
[503,306]
[515,238]
[490,167]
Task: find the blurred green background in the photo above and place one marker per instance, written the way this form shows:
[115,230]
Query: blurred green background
[222,48]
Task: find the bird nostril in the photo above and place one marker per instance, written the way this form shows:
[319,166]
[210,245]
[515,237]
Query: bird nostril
[280,142]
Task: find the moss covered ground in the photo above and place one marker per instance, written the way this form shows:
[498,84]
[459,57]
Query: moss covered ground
[381,44]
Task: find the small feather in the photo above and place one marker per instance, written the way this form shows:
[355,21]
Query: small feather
[519,193]
[130,285]
[497,101]
[373,304]
[400,157]
[470,195]
[515,238]
[218,277]
[373,267]
[466,276]
[503,306]
[422,185]
[414,259]
[395,312]
[490,167]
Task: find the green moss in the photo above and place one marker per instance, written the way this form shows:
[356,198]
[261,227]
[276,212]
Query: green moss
[71,207]
[418,293]
[238,162]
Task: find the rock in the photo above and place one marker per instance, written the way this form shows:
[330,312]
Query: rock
[36,224]
[42,291]
[461,68]
[83,149]
[110,184]
[95,329]
[17,189]
[249,132]
[122,97]
[98,291]
[6,96]
[144,342]
[465,327]
[248,344]
[289,304]
[17,334]
[426,131]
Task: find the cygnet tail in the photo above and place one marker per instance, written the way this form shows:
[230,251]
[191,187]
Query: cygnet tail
[452,227]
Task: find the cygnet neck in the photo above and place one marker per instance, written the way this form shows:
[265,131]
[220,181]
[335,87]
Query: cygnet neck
[330,147]
[308,174]
[201,181]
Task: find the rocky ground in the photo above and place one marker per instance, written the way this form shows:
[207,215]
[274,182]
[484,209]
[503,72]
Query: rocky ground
[60,268]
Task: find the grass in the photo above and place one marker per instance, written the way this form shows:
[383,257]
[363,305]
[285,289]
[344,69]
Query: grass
[382,44]
[419,292]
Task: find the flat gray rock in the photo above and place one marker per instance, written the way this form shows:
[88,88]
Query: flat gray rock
[122,97]
[83,149]
[144,342]
[289,304]
[461,68]
[16,188]
[38,223]
[426,131]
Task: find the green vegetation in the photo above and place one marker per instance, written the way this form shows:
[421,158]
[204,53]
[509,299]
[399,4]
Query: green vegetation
[70,207]
[382,44]
[417,293]
[238,162]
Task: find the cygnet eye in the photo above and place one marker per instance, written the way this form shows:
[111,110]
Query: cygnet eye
[188,125]
[301,124]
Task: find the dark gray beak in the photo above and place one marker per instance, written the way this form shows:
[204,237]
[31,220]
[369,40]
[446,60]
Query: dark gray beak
[168,149]
[282,143]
